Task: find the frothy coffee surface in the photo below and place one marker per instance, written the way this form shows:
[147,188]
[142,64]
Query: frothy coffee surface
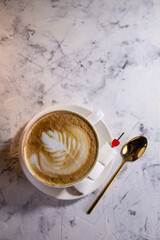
[60,148]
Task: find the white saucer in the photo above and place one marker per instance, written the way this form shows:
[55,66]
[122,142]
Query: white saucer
[71,193]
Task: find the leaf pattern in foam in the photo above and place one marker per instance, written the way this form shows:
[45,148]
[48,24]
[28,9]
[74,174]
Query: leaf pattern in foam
[67,151]
[59,144]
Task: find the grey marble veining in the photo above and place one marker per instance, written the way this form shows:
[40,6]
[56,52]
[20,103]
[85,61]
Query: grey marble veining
[99,54]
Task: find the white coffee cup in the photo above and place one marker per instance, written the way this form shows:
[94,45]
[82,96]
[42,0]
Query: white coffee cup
[93,119]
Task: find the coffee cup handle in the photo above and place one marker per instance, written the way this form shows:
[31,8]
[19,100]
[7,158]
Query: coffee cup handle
[95,117]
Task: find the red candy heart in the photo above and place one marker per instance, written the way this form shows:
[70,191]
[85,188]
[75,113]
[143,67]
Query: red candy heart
[115,143]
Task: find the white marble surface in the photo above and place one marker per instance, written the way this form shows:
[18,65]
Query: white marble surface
[99,54]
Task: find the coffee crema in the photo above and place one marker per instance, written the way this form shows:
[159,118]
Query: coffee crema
[60,148]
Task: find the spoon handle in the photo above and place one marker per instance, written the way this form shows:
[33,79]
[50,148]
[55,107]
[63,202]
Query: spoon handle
[105,188]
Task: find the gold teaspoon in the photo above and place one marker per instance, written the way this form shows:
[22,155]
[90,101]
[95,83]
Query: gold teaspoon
[130,152]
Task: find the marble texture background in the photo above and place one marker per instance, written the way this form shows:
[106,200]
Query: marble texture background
[99,54]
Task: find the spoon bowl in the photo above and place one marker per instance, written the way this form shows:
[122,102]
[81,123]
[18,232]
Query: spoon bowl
[134,149]
[130,152]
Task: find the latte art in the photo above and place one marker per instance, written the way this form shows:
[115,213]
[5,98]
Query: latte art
[66,152]
[60,148]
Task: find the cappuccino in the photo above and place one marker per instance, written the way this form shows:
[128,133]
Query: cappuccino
[60,148]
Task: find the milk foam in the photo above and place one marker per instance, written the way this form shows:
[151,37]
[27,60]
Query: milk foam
[67,150]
